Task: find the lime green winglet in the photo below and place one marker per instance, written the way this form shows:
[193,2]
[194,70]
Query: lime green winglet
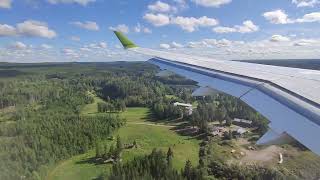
[126,43]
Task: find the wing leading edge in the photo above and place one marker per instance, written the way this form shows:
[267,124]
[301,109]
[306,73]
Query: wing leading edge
[288,97]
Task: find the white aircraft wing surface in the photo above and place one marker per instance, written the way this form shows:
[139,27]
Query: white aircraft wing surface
[288,97]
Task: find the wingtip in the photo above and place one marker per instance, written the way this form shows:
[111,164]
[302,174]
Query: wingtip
[126,43]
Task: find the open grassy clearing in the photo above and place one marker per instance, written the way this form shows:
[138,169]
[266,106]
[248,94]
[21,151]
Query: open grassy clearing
[73,168]
[93,107]
[148,135]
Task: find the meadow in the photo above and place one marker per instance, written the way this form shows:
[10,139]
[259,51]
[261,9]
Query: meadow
[147,134]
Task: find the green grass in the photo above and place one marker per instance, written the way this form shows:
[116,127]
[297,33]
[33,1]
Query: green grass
[148,135]
[74,169]
[93,107]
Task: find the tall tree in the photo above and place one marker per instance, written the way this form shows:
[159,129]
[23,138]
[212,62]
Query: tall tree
[169,156]
[98,150]
[119,143]
[187,172]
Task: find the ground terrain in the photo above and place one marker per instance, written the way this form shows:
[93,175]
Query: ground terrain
[141,127]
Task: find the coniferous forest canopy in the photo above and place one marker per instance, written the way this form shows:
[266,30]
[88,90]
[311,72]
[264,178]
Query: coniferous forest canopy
[41,121]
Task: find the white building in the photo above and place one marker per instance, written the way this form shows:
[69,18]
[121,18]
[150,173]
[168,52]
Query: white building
[188,107]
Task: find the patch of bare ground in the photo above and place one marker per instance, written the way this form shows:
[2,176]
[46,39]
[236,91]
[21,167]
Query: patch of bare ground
[268,155]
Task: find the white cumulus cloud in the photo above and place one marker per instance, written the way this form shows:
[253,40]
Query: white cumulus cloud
[71,53]
[121,27]
[176,45]
[35,29]
[103,45]
[18,46]
[279,38]
[45,46]
[306,42]
[139,28]
[191,24]
[157,19]
[28,28]
[85,49]
[165,46]
[222,29]
[277,17]
[160,7]
[88,25]
[311,17]
[246,27]
[280,47]
[280,17]
[147,30]
[306,3]
[95,46]
[5,4]
[7,30]
[211,3]
[81,2]
[188,24]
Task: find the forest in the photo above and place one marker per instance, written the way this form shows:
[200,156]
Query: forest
[44,124]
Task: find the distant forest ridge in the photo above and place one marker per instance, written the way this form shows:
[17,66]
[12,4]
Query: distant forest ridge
[7,65]
[313,64]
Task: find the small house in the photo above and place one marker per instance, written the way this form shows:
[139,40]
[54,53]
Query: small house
[242,122]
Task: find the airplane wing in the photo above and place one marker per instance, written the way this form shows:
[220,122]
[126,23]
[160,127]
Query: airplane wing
[288,97]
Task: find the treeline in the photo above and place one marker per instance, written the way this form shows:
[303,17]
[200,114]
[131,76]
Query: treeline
[49,93]
[163,110]
[235,108]
[133,91]
[114,106]
[25,91]
[110,154]
[157,166]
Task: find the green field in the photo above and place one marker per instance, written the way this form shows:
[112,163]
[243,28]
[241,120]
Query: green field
[91,108]
[148,135]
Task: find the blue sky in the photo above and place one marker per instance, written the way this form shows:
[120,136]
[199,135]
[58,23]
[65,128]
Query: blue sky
[80,30]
